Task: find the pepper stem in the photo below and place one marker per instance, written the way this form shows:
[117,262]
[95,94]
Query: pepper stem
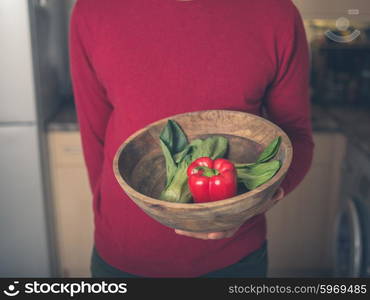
[208,172]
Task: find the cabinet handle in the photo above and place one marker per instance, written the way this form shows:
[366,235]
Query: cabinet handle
[72,150]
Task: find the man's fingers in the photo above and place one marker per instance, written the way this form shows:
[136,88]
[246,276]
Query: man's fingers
[216,235]
[279,194]
[201,235]
[208,236]
[198,235]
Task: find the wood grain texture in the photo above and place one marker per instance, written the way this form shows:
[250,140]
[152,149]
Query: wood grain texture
[140,170]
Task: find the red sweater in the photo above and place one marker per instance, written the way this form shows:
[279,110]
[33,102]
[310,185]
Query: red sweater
[134,62]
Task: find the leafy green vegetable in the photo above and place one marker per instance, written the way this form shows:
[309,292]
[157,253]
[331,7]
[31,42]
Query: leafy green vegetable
[270,151]
[242,166]
[171,166]
[258,174]
[173,137]
[172,140]
[213,147]
[261,171]
[181,155]
[178,190]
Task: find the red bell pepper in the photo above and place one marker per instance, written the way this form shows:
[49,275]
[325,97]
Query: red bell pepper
[211,180]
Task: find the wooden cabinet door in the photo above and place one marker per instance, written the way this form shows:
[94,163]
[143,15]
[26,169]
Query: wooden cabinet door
[301,226]
[75,221]
[72,201]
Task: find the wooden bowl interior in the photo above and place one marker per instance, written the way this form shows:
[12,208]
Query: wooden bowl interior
[141,163]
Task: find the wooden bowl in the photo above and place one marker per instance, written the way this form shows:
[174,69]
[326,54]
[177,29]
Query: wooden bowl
[139,168]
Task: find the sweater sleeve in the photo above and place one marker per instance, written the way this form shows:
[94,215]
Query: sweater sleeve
[92,105]
[288,103]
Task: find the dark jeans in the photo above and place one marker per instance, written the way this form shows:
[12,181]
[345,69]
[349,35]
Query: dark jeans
[252,265]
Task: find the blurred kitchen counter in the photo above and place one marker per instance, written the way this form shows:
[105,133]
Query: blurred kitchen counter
[66,120]
[352,122]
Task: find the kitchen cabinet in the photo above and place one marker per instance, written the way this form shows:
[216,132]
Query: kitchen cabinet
[301,227]
[333,8]
[72,204]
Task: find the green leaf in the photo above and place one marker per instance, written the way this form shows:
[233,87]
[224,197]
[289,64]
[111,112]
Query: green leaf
[171,166]
[262,168]
[172,140]
[173,137]
[270,151]
[178,190]
[242,166]
[258,174]
[181,155]
[213,147]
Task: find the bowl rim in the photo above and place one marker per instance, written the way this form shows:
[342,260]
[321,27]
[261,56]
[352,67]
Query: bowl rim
[153,201]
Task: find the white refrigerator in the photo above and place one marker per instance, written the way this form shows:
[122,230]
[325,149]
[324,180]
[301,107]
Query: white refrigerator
[33,83]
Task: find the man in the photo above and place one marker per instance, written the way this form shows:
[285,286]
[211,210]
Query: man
[134,62]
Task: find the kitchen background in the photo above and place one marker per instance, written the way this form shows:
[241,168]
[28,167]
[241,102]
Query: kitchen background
[320,229]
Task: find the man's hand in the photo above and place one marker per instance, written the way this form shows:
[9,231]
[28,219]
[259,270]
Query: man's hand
[208,235]
[279,194]
[227,233]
